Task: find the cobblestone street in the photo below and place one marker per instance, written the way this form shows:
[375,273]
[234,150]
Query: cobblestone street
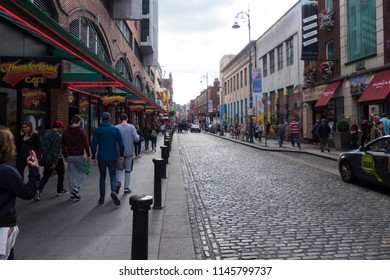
[247,203]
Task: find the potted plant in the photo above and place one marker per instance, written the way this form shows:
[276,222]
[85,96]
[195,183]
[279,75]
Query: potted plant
[309,76]
[326,70]
[342,137]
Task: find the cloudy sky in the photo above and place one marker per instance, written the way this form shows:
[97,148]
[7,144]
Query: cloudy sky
[195,34]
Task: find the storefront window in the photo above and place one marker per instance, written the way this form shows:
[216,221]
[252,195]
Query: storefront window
[8,108]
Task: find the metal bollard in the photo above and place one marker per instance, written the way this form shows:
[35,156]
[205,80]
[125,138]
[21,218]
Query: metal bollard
[167,142]
[139,245]
[158,162]
[165,153]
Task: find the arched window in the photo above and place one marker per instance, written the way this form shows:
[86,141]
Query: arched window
[138,83]
[86,31]
[122,67]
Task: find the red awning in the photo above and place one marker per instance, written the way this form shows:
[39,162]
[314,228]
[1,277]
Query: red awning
[378,89]
[327,95]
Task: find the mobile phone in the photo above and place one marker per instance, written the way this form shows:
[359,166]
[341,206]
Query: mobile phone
[32,154]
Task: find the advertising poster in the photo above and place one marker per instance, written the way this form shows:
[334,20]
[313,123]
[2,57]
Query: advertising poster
[309,30]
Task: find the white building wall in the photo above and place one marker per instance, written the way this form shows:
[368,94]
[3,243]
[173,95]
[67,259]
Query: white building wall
[287,27]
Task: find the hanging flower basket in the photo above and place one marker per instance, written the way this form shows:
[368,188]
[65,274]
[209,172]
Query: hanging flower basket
[136,108]
[326,70]
[325,20]
[149,111]
[309,76]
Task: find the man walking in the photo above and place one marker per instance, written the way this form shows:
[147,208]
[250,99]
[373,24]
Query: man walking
[105,141]
[294,133]
[129,136]
[52,159]
[323,132]
[74,145]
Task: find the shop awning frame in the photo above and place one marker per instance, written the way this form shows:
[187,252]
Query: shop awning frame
[327,94]
[378,89]
[41,25]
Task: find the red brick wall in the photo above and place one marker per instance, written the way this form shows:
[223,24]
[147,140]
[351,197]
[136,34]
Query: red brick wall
[59,106]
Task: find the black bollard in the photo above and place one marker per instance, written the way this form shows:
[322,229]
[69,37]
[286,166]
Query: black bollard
[165,153]
[158,165]
[139,245]
[167,142]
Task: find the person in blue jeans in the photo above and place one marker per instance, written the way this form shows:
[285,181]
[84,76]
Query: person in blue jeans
[105,141]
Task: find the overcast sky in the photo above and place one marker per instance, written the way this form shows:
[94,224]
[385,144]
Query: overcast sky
[195,34]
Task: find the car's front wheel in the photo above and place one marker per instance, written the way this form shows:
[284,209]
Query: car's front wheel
[346,172]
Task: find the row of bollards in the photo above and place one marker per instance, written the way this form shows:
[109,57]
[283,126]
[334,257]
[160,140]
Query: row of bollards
[141,204]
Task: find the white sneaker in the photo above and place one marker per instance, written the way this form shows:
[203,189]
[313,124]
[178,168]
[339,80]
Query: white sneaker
[37,196]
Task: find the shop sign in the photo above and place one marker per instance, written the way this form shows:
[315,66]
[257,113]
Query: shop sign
[30,73]
[33,101]
[313,94]
[358,84]
[113,100]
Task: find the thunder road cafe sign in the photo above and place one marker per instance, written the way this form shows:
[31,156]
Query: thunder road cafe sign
[30,73]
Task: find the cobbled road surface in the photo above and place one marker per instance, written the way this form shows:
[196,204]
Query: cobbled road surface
[251,204]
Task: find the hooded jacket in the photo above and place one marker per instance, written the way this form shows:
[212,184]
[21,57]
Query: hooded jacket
[75,142]
[105,141]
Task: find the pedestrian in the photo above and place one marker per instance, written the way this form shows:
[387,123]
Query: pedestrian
[27,140]
[363,129]
[267,129]
[12,187]
[146,132]
[106,141]
[129,136]
[52,159]
[280,131]
[153,137]
[260,129]
[386,123]
[294,133]
[286,129]
[354,130]
[137,144]
[75,145]
[314,133]
[323,132]
[377,129]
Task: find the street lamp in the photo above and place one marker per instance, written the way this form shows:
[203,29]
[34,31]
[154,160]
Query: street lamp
[245,17]
[206,77]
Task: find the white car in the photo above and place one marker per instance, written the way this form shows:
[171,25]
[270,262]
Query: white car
[195,128]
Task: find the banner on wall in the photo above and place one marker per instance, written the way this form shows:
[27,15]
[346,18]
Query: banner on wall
[257,81]
[309,30]
[30,73]
[210,106]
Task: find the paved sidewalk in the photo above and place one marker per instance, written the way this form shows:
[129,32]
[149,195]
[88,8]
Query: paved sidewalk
[273,145]
[57,228]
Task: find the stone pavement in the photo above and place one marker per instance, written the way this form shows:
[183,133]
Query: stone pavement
[58,228]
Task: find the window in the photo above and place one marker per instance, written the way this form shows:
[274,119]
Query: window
[123,69]
[265,66]
[290,52]
[329,51]
[361,29]
[245,77]
[122,25]
[238,79]
[329,4]
[86,31]
[241,83]
[280,57]
[272,62]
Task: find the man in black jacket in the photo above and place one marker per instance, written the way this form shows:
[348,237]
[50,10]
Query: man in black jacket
[323,132]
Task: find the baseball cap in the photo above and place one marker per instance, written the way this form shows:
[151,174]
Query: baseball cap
[58,124]
[106,115]
[123,116]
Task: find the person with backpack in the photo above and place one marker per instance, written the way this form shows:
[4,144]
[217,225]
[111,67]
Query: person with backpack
[280,131]
[52,159]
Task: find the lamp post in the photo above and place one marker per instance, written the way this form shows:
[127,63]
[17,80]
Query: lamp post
[206,77]
[245,17]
